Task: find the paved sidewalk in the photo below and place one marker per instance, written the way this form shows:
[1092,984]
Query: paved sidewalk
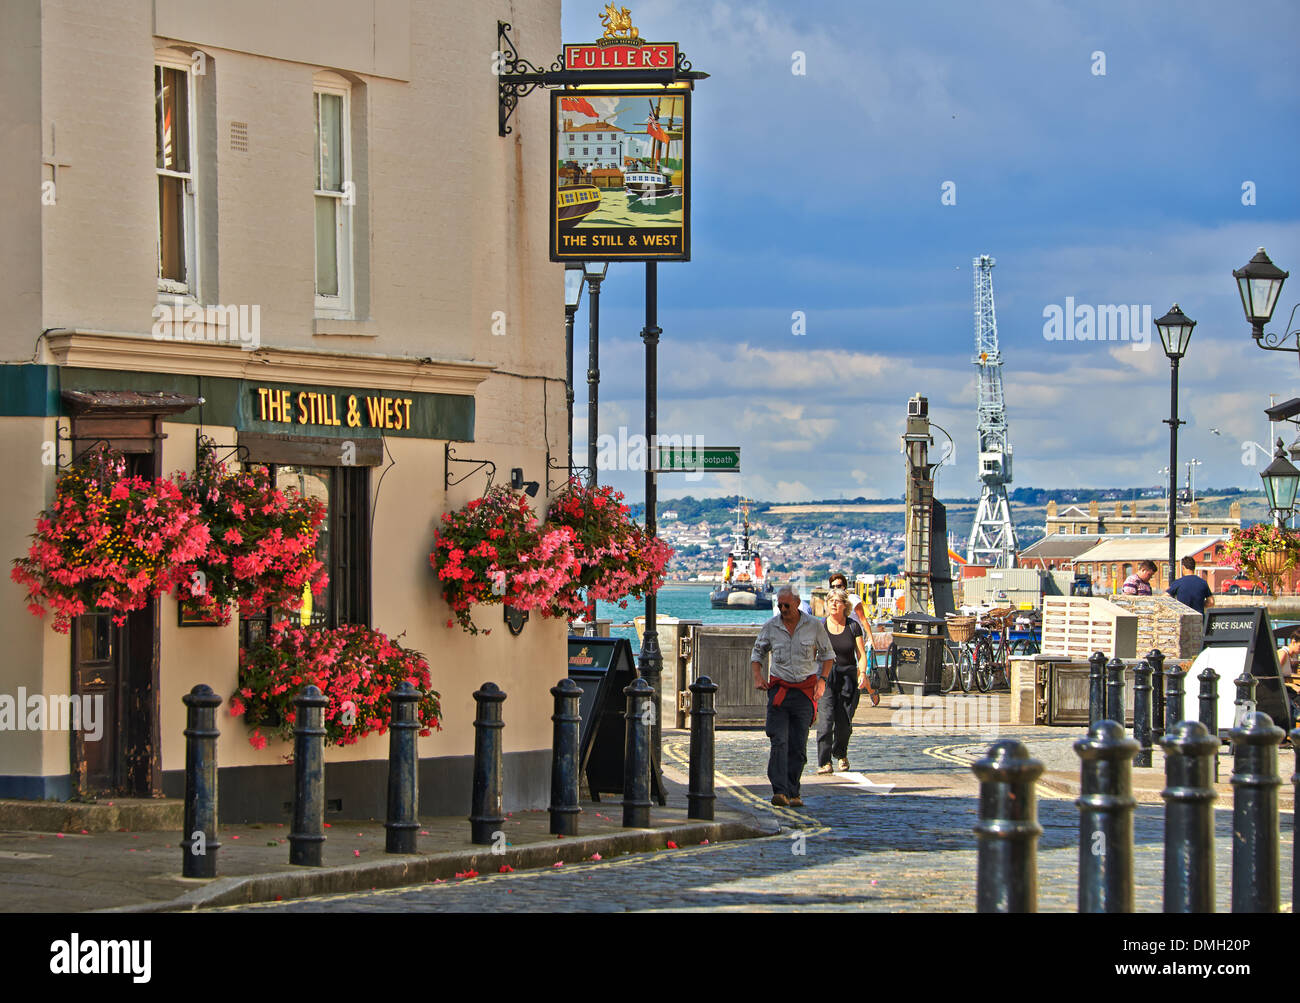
[140,871]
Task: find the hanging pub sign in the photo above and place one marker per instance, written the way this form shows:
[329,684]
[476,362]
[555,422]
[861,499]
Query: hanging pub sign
[620,182]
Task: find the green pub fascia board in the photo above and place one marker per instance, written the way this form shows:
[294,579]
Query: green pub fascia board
[30,390]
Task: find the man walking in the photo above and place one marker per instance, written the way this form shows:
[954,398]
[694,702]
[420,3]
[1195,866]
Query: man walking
[1190,589]
[800,665]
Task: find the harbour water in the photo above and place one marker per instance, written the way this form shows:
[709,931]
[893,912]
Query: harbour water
[685,602]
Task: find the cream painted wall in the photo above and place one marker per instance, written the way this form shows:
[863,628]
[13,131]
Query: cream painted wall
[457,231]
[20,195]
[457,214]
[32,649]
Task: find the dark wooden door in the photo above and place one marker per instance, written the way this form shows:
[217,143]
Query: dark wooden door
[96,650]
[116,667]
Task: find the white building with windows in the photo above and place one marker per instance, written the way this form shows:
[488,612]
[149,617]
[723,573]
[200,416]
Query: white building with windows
[214,209]
[592,144]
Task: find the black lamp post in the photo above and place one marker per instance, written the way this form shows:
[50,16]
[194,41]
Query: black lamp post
[1260,285]
[1281,479]
[594,272]
[1175,329]
[573,279]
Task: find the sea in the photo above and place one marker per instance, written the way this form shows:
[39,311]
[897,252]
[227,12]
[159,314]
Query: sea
[685,602]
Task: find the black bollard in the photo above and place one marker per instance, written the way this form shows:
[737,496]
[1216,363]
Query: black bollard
[1115,692]
[1159,722]
[1295,843]
[1174,712]
[1142,712]
[487,810]
[1096,688]
[700,796]
[1008,830]
[1209,709]
[1245,702]
[1189,818]
[1255,835]
[564,806]
[403,771]
[307,838]
[636,755]
[199,844]
[1106,806]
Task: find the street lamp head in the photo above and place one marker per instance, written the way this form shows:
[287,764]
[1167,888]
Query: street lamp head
[1175,329]
[1281,479]
[1260,285]
[573,279]
[595,270]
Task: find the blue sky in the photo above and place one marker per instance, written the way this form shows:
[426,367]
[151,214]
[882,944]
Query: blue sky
[821,193]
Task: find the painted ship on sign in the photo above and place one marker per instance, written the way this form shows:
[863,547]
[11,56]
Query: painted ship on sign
[574,203]
[744,585]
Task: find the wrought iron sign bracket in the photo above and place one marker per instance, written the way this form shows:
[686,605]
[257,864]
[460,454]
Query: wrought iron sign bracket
[202,441]
[553,464]
[448,459]
[63,433]
[517,77]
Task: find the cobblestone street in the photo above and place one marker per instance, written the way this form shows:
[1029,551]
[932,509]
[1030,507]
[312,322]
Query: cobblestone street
[896,837]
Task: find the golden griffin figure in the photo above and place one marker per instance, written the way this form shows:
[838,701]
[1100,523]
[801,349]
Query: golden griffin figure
[618,23]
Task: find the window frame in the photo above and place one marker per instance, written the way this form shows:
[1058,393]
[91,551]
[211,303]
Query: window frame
[169,288]
[342,305]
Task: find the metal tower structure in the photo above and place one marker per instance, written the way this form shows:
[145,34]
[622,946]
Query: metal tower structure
[993,536]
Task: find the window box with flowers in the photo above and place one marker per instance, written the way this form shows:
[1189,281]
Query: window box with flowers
[354,667]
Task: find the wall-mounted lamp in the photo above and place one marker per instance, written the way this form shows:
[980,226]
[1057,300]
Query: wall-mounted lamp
[517,482]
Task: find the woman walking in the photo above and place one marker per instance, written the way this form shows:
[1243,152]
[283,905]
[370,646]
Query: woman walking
[848,676]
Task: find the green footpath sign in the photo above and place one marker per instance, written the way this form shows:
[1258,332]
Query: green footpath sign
[711,459]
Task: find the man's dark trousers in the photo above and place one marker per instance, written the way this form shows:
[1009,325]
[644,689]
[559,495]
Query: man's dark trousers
[787,727]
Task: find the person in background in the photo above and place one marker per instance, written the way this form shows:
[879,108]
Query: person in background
[848,676]
[801,662]
[1191,589]
[1139,583]
[1288,663]
[858,612]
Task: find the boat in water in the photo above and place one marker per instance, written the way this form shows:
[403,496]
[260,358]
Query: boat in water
[744,584]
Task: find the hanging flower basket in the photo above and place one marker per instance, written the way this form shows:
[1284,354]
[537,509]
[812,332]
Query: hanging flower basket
[1264,552]
[262,553]
[109,542]
[491,552]
[617,558]
[353,666]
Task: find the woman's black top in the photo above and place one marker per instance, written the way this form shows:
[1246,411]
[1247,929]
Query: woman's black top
[845,644]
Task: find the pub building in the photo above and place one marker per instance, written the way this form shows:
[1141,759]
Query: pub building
[302,238]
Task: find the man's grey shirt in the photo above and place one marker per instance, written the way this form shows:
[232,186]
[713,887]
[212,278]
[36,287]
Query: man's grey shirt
[795,656]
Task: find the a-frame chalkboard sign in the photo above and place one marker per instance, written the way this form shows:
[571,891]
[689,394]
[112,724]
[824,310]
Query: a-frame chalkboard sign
[603,667]
[1239,638]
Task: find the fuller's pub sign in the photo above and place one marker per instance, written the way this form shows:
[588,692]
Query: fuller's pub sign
[620,156]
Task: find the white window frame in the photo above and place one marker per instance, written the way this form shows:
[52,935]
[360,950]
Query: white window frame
[168,288]
[338,307]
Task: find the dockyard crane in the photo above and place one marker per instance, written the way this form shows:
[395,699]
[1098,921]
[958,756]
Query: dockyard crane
[993,535]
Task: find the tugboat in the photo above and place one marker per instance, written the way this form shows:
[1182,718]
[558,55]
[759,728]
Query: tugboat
[744,585]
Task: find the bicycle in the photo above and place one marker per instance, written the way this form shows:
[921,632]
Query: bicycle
[959,651]
[994,649]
